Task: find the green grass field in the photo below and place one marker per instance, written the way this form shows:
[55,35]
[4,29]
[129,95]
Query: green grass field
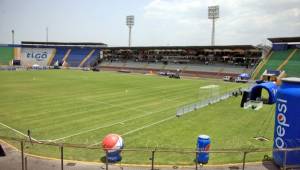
[82,107]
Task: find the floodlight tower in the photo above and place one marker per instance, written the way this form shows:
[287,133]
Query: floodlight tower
[213,13]
[129,23]
[47,34]
[13,36]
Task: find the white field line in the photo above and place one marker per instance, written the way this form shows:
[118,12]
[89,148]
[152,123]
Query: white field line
[15,130]
[109,125]
[141,128]
[105,126]
[149,125]
[100,127]
[120,122]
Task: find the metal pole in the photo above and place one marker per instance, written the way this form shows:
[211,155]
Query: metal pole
[213,33]
[22,154]
[13,36]
[244,160]
[152,160]
[196,163]
[129,40]
[62,156]
[106,160]
[25,163]
[47,34]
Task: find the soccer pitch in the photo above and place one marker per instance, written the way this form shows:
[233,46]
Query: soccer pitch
[82,107]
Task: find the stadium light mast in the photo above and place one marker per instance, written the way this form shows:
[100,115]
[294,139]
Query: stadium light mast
[47,35]
[129,23]
[213,14]
[13,36]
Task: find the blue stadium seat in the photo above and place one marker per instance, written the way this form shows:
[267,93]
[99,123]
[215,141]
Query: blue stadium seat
[92,59]
[59,55]
[77,55]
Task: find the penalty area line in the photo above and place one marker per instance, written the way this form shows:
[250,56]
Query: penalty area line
[101,127]
[141,128]
[16,131]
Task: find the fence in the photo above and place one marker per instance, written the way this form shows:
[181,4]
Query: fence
[215,99]
[151,155]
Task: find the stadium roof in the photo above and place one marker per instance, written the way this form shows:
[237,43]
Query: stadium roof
[64,43]
[284,39]
[244,47]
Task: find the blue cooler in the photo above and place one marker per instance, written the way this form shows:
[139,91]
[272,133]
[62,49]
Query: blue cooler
[287,122]
[203,144]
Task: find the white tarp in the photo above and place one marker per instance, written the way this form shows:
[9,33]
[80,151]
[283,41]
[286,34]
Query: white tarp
[36,56]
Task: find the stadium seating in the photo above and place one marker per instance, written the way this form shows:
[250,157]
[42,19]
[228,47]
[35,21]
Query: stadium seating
[59,55]
[275,60]
[77,55]
[92,58]
[292,67]
[6,55]
[188,67]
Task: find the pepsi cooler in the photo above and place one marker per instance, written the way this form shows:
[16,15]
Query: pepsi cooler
[203,144]
[287,122]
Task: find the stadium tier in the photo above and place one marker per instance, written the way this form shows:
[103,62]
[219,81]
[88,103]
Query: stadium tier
[216,68]
[284,56]
[66,54]
[60,54]
[77,55]
[91,59]
[292,67]
[192,60]
[275,60]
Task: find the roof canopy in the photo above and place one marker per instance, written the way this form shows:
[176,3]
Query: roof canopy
[63,43]
[284,39]
[232,47]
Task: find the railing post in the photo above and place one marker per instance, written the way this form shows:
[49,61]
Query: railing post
[284,159]
[22,154]
[26,163]
[196,161]
[152,159]
[106,160]
[62,156]
[244,160]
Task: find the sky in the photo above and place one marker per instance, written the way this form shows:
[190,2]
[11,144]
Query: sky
[157,22]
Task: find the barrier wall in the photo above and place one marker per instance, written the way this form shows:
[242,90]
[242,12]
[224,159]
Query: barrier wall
[6,55]
[37,56]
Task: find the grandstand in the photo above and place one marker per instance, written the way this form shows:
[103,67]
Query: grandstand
[204,61]
[201,61]
[292,67]
[72,54]
[283,56]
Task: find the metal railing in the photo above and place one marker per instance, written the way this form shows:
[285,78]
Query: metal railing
[151,152]
[205,102]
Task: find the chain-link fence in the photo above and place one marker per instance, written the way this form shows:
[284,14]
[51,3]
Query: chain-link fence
[149,158]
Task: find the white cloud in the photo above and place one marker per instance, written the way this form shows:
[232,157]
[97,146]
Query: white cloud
[241,21]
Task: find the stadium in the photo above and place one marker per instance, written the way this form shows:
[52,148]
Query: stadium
[62,101]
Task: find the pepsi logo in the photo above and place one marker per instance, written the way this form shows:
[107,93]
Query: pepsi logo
[282,123]
[112,143]
[280,117]
[207,147]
